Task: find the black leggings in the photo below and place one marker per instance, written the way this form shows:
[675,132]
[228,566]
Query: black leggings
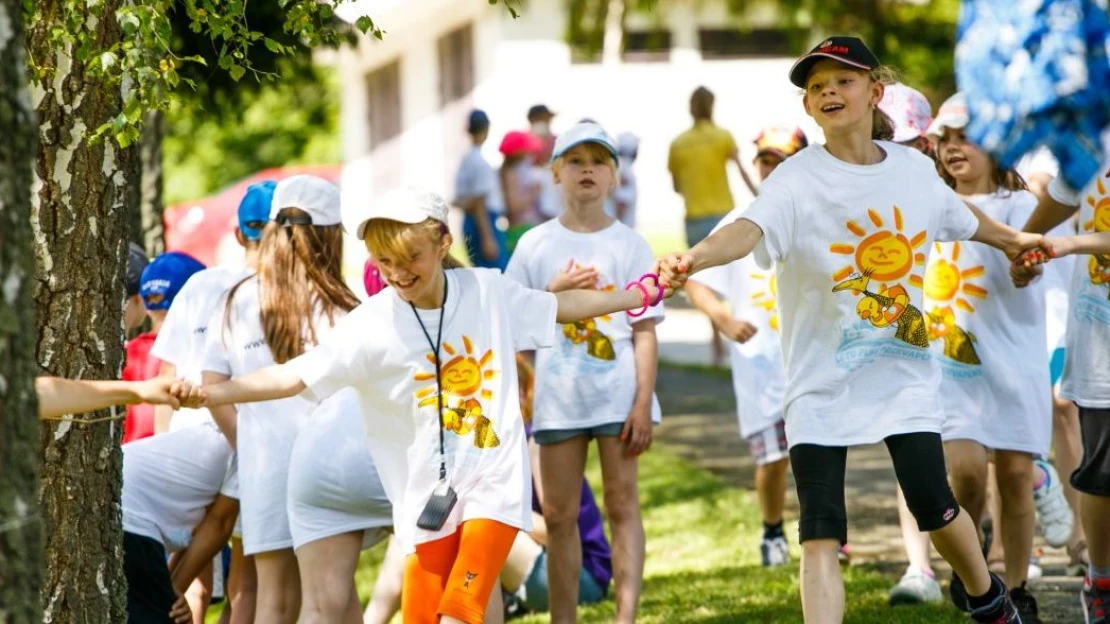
[918,463]
[150,594]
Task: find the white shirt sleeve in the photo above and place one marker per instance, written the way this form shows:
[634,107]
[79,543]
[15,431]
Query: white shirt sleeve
[230,486]
[518,265]
[172,344]
[533,315]
[339,361]
[215,348]
[716,278]
[1061,192]
[957,222]
[773,212]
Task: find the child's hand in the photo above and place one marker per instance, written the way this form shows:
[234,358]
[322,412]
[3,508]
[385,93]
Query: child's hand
[573,277]
[737,330]
[158,391]
[1023,272]
[673,269]
[1025,242]
[1060,246]
[180,613]
[188,395]
[637,432]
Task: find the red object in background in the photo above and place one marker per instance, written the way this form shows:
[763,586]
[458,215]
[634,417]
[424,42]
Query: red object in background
[140,365]
[200,227]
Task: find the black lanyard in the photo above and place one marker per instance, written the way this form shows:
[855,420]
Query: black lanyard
[439,384]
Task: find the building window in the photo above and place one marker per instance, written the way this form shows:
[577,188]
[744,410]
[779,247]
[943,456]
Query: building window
[383,88]
[456,65]
[647,45]
[733,42]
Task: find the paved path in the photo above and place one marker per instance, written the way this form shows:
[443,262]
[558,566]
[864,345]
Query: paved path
[700,425]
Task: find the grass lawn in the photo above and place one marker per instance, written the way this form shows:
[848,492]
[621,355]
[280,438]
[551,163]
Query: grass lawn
[703,559]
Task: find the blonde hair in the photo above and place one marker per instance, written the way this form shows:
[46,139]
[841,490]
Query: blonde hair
[560,162]
[299,277]
[384,237]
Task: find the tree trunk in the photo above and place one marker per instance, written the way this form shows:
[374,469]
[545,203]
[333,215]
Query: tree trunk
[20,526]
[612,42]
[79,219]
[151,206]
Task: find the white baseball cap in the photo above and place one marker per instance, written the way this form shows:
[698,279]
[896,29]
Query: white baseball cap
[908,109]
[952,114]
[584,132]
[405,205]
[316,196]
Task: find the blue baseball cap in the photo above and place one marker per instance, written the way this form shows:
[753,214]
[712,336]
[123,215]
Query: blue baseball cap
[584,132]
[163,278]
[477,122]
[254,210]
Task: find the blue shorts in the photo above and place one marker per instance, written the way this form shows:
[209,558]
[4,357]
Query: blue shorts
[1056,365]
[555,436]
[535,588]
[474,244]
[699,229]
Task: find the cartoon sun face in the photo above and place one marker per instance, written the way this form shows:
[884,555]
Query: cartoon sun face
[1100,222]
[462,375]
[766,295]
[945,282]
[886,255]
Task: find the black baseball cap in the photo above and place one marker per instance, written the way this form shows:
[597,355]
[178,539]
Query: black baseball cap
[478,121]
[137,260]
[851,51]
[539,111]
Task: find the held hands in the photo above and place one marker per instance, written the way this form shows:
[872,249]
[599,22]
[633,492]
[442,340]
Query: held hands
[674,268]
[190,396]
[573,277]
[1026,265]
[652,293]
[163,391]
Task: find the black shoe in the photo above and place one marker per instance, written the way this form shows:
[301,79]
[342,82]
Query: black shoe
[1026,605]
[1001,610]
[958,593]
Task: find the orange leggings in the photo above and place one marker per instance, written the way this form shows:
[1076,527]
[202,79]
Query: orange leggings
[454,575]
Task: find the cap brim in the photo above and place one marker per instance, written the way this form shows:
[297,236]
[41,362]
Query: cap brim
[411,217]
[773,151]
[609,148]
[800,71]
[957,122]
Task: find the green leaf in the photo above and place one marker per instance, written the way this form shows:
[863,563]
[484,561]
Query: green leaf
[364,24]
[273,46]
[236,71]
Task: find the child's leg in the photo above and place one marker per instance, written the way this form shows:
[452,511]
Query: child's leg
[1014,472]
[279,586]
[997,551]
[770,487]
[919,465]
[242,586]
[1092,478]
[916,540]
[1068,453]
[426,573]
[483,546]
[327,568]
[620,480]
[967,464]
[386,598]
[822,528]
[562,466]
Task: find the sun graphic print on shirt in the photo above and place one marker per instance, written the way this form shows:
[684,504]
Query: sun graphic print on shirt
[765,292]
[950,286]
[1098,267]
[598,345]
[885,257]
[463,379]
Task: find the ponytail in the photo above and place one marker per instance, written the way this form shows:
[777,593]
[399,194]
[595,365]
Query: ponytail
[882,126]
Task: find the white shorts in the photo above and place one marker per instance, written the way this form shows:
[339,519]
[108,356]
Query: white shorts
[769,445]
[334,487]
[264,452]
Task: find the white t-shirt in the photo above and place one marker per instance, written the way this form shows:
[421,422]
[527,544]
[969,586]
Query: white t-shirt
[381,351]
[988,337]
[267,429]
[589,378]
[334,487]
[1087,366]
[858,368]
[757,375]
[181,341]
[626,193]
[170,480]
[475,178]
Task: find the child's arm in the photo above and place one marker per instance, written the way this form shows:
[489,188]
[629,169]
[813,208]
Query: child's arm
[703,298]
[732,242]
[58,396]
[636,433]
[1097,243]
[1049,213]
[221,393]
[576,305]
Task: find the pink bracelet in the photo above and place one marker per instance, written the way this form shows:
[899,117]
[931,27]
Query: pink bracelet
[643,294]
[654,277]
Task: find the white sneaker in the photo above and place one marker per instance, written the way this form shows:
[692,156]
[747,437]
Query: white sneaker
[1053,512]
[774,552]
[1035,571]
[916,587]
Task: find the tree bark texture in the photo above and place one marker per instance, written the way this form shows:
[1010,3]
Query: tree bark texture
[20,525]
[79,219]
[151,206]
